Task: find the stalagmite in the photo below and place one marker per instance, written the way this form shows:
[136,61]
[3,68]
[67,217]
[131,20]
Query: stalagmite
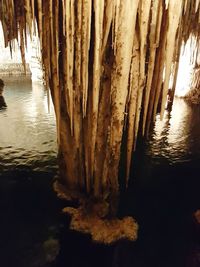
[107,65]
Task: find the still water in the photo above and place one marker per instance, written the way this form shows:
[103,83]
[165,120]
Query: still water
[163,190]
[28,132]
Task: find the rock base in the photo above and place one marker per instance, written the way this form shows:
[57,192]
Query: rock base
[90,218]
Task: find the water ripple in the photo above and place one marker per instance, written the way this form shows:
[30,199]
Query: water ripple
[28,130]
[176,137]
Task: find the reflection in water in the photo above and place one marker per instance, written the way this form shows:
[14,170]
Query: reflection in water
[176,137]
[28,131]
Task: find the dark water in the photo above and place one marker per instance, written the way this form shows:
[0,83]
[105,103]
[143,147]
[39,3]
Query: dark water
[163,191]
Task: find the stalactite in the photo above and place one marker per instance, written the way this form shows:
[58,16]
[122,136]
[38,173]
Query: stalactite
[160,64]
[97,70]
[85,46]
[151,59]
[54,52]
[119,84]
[197,5]
[28,14]
[174,8]
[78,122]
[40,30]
[144,13]
[176,64]
[134,86]
[69,31]
[158,67]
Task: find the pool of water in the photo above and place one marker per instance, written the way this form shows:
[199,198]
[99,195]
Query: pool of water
[29,219]
[162,194]
[28,131]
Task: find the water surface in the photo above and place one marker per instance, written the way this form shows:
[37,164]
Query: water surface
[28,149]
[28,131]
